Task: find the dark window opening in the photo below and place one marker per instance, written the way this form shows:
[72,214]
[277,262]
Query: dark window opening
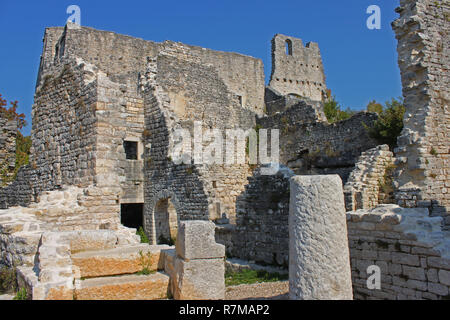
[240,100]
[131,215]
[131,149]
[288,47]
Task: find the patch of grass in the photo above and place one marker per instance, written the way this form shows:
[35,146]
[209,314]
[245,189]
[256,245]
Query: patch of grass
[146,263]
[141,233]
[21,294]
[248,276]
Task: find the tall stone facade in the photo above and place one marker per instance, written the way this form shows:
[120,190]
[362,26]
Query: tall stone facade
[297,69]
[422,31]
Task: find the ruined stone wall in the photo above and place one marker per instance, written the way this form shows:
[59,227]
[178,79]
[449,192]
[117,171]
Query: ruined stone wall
[8,133]
[422,31]
[50,40]
[261,230]
[64,127]
[409,248]
[183,90]
[311,146]
[297,68]
[124,57]
[364,188]
[21,191]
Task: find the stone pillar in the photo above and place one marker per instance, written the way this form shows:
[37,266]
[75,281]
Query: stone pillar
[319,259]
[199,263]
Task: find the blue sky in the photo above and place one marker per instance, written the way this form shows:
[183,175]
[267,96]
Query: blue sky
[360,64]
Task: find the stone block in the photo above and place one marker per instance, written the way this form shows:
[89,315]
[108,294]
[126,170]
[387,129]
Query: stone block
[195,240]
[444,277]
[127,287]
[202,279]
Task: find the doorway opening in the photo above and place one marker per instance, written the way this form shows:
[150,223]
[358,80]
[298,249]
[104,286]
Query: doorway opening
[131,215]
[166,222]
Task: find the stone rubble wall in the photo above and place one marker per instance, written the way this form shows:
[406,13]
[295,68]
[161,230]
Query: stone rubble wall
[300,72]
[311,146]
[422,31]
[362,190]
[260,233]
[64,126]
[408,246]
[8,133]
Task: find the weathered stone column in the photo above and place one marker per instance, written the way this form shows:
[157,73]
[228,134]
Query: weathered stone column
[199,263]
[319,259]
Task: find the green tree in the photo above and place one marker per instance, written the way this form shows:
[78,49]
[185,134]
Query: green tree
[375,107]
[389,124]
[23,144]
[11,112]
[333,111]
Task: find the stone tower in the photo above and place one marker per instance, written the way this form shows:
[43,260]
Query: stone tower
[297,69]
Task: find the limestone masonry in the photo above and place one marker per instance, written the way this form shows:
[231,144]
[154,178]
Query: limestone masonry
[107,113]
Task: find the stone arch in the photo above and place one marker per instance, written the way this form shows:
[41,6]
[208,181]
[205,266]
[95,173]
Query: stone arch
[164,217]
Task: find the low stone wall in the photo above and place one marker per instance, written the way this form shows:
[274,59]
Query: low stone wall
[363,188]
[407,245]
[20,192]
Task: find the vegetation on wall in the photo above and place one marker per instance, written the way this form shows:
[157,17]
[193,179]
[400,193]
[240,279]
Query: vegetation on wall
[334,111]
[23,143]
[389,125]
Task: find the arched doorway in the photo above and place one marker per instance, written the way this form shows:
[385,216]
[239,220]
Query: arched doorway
[166,222]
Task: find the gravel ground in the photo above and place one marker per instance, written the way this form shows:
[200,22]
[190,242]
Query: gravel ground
[259,291]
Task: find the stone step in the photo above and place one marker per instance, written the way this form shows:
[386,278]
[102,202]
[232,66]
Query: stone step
[126,287]
[118,261]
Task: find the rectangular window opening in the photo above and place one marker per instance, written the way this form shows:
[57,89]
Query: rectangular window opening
[131,150]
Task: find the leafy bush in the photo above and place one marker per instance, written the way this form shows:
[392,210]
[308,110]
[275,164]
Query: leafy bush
[8,280]
[141,233]
[333,111]
[11,112]
[389,124]
[21,294]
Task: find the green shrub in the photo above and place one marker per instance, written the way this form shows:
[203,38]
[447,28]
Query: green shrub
[333,111]
[21,294]
[8,280]
[141,233]
[146,263]
[389,125]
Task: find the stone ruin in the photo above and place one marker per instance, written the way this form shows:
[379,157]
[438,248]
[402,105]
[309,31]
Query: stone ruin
[106,113]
